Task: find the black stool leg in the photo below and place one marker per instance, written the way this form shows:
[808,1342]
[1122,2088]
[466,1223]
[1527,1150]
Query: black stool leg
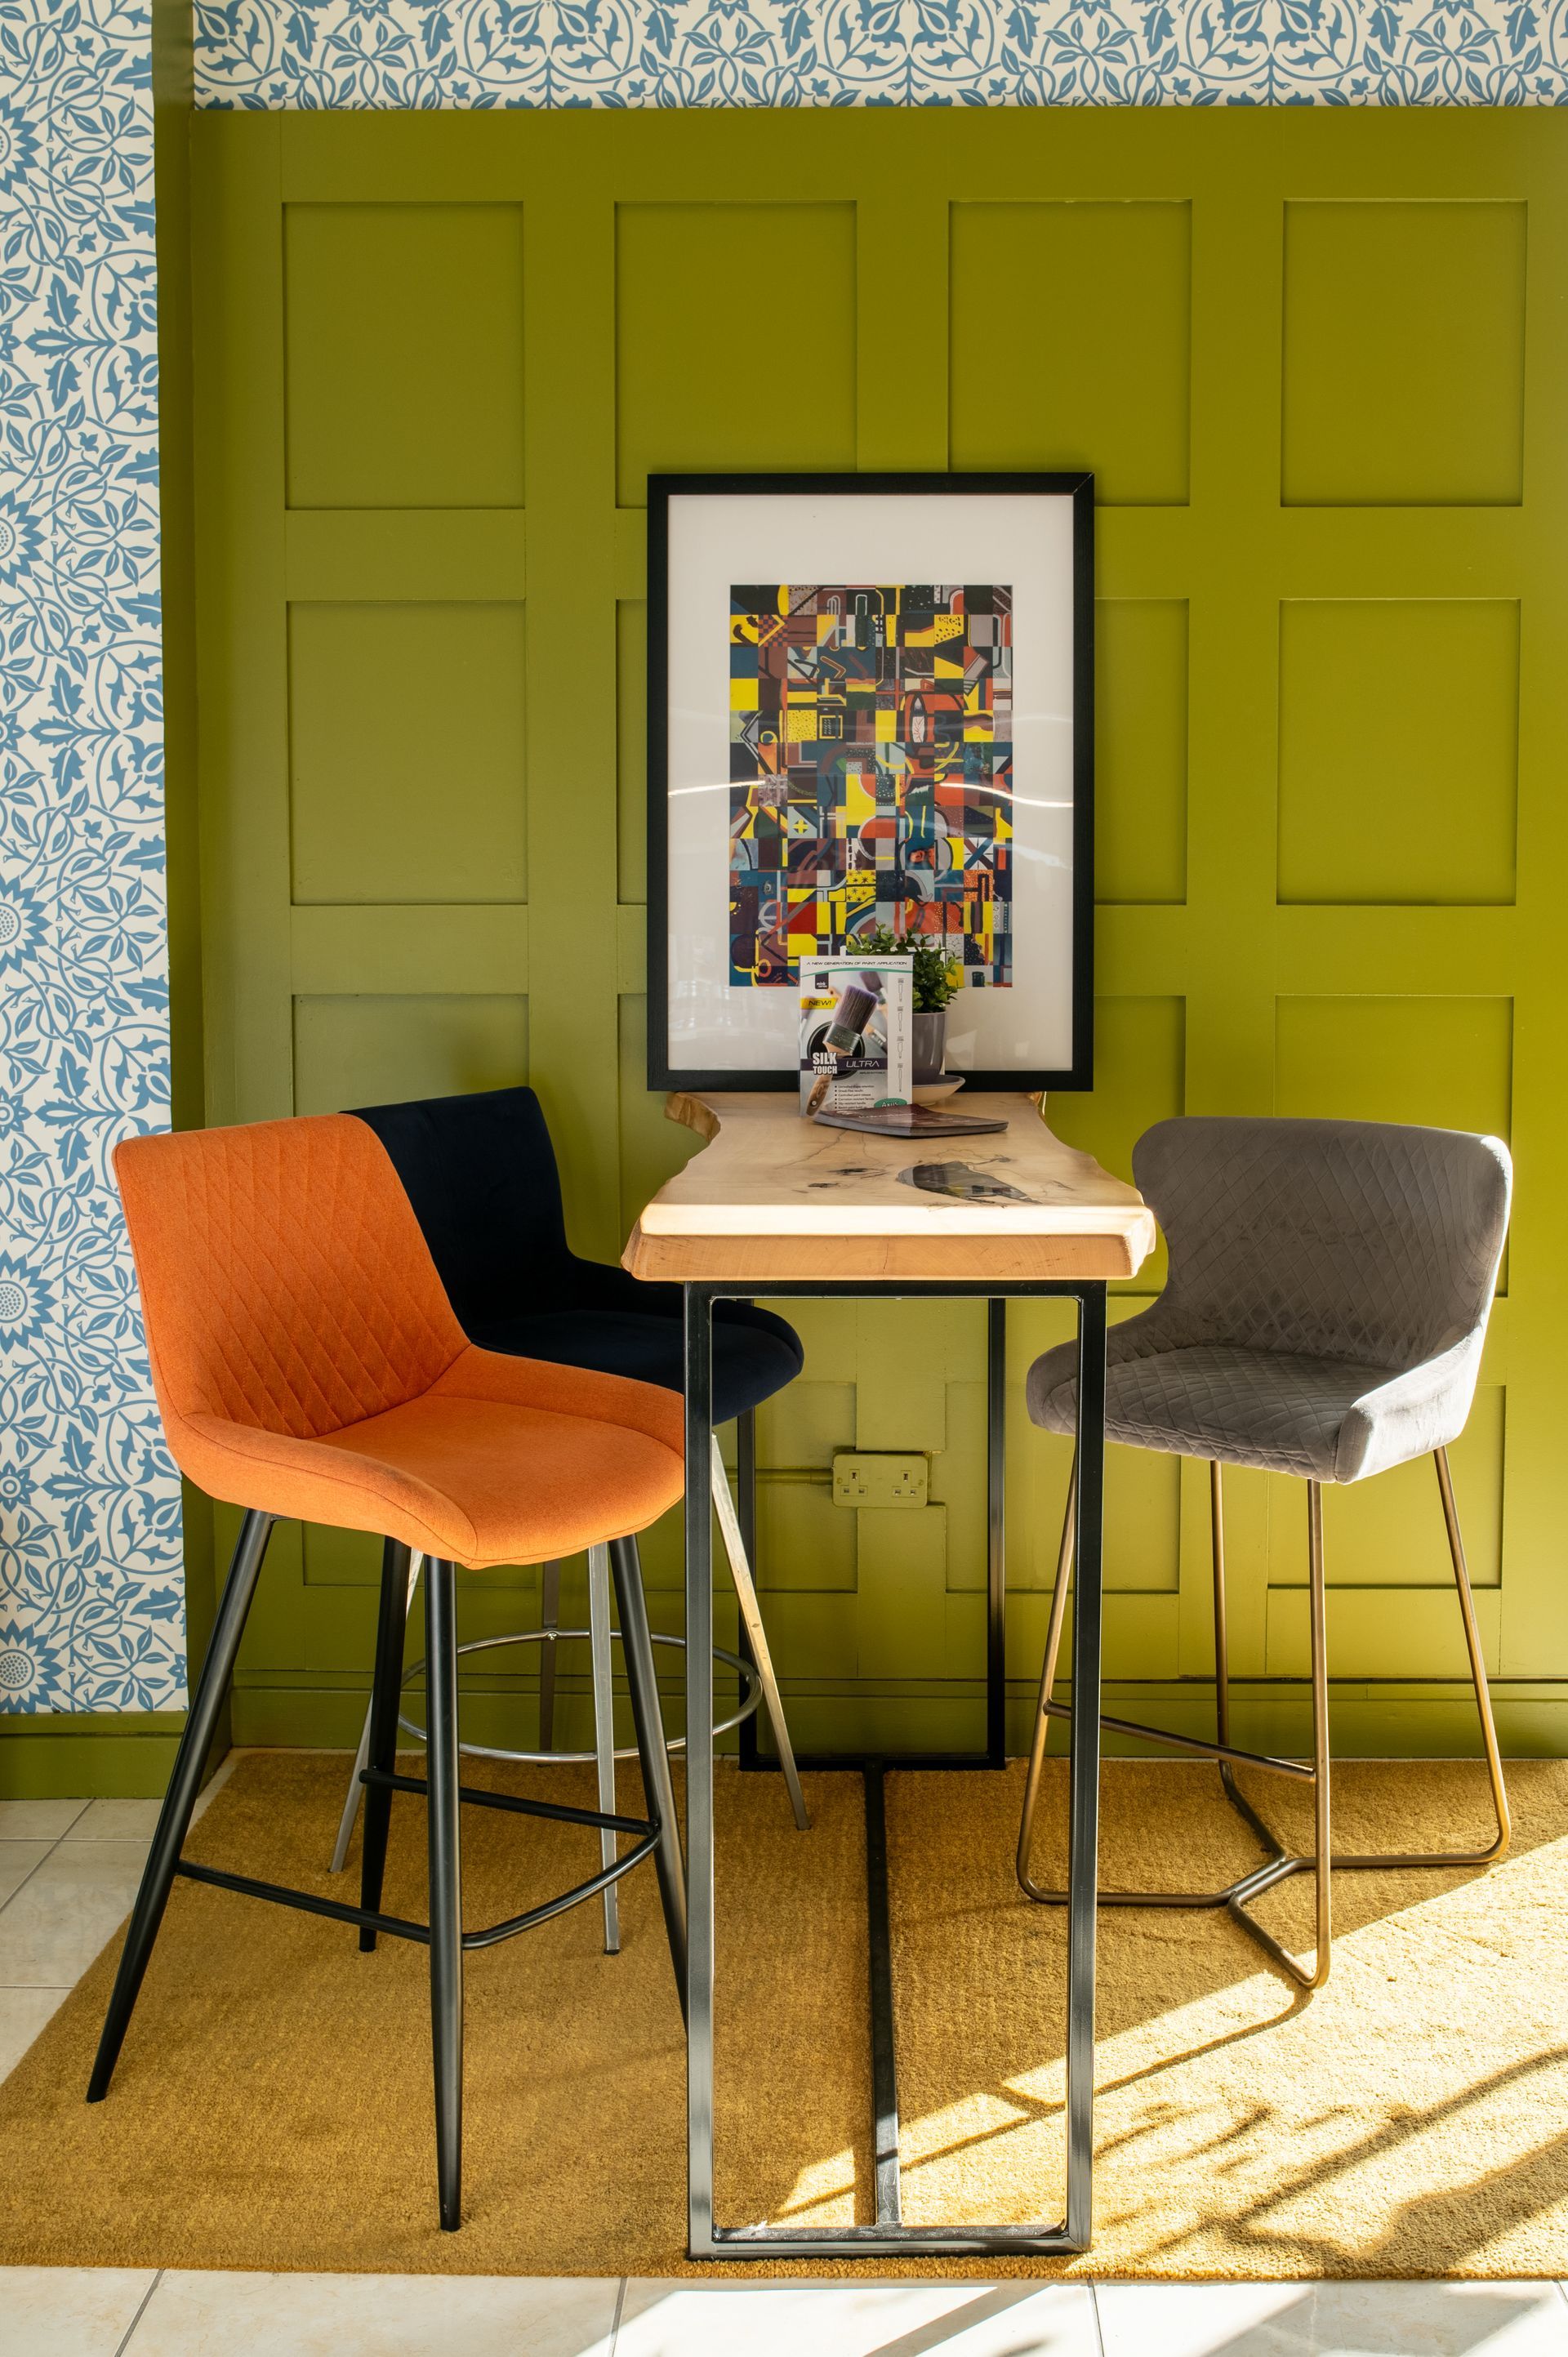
[648,1721]
[445,1883]
[185,1784]
[386,1692]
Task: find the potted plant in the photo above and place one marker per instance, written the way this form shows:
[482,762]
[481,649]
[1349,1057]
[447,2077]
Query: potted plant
[937,976]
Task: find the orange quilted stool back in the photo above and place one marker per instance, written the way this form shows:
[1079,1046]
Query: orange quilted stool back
[284,1281]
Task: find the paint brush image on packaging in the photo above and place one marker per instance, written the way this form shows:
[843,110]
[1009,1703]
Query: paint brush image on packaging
[856,1030]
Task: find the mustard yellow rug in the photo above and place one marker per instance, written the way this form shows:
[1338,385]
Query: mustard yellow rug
[272,2108]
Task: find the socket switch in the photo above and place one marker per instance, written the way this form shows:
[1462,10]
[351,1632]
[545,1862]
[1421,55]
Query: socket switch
[880,1477]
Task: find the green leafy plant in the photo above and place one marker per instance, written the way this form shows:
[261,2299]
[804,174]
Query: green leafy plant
[937,976]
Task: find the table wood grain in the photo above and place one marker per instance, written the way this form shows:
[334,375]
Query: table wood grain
[772,1195]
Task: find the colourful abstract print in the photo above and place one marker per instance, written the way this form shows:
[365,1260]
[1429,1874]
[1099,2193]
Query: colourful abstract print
[871,766]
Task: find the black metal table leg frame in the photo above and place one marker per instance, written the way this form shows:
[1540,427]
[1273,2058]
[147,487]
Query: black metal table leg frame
[445,1884]
[884,2046]
[996,1533]
[185,1784]
[889,2238]
[386,1688]
[1083,1770]
[648,1718]
[699,1773]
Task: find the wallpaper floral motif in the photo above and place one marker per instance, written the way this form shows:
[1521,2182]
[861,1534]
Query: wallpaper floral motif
[532,53]
[91,1592]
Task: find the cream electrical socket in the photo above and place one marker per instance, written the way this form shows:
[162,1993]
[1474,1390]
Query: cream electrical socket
[880,1476]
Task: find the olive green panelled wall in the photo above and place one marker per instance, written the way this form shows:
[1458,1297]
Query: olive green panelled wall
[1319,365]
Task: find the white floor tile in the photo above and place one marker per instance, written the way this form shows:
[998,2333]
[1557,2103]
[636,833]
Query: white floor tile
[67,1909]
[214,2315]
[17,1859]
[69,2311]
[39,1820]
[1333,2319]
[117,1821]
[842,2320]
[23,2014]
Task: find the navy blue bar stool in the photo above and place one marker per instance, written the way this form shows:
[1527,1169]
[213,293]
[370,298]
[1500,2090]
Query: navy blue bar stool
[480,1173]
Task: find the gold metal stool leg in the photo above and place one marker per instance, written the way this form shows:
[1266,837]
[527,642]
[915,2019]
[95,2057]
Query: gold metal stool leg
[755,1634]
[1280,1864]
[1497,1848]
[1044,1707]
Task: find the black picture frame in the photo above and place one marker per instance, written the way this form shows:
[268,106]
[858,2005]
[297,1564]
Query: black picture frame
[664,1074]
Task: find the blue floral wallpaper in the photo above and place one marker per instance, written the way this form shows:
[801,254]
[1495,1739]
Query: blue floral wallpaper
[91,1592]
[528,53]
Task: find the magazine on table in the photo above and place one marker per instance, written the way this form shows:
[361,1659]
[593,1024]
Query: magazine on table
[856,1033]
[914,1121]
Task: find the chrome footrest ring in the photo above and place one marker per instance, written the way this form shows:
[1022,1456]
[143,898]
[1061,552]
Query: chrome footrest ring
[580,1758]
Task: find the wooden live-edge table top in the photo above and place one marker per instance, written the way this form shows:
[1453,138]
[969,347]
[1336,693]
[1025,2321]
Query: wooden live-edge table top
[772,1195]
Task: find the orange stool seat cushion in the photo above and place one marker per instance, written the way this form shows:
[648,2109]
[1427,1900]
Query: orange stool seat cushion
[307,1361]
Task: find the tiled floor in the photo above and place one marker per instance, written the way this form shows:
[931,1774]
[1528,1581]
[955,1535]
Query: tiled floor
[66,2312]
[68,1873]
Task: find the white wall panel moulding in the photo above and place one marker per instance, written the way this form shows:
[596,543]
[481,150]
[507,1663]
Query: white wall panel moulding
[91,1614]
[484,53]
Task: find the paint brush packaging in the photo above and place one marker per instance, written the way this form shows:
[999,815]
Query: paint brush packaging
[856,1033]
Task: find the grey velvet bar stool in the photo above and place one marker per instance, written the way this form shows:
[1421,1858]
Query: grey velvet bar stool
[1329,1288]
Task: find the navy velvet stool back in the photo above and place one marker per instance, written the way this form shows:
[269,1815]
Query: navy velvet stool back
[480,1173]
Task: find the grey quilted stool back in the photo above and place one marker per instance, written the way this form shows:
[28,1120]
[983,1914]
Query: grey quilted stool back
[1325,1314]
[1329,1288]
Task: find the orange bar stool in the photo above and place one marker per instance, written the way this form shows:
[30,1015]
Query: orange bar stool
[307,1363]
